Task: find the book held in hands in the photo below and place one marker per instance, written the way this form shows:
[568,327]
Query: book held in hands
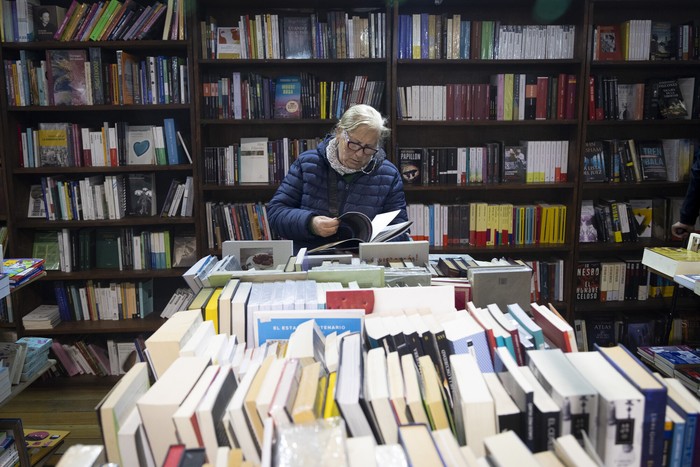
[356,227]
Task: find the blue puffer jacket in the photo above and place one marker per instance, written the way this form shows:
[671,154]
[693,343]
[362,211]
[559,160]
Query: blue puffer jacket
[303,194]
[691,203]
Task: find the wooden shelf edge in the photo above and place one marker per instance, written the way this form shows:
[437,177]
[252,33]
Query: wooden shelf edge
[16,389]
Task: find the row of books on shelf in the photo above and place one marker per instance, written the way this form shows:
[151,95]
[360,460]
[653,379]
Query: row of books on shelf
[611,221]
[508,96]
[91,77]
[485,224]
[493,162]
[331,34]
[110,145]
[108,197]
[630,161]
[632,330]
[622,279]
[81,357]
[236,163]
[82,21]
[429,36]
[236,221]
[645,39]
[654,99]
[102,300]
[124,249]
[254,96]
[254,396]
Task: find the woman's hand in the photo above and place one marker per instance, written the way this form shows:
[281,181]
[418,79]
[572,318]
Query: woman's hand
[324,226]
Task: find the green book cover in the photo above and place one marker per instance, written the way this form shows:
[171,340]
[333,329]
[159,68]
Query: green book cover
[46,246]
[107,249]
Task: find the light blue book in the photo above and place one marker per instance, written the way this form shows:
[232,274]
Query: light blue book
[524,320]
[278,325]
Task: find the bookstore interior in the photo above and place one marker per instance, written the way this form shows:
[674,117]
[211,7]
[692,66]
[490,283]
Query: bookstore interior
[530,302]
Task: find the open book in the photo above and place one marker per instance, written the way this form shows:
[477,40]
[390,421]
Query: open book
[356,228]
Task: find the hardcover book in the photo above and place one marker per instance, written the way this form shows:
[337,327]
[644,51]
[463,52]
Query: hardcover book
[296,36]
[662,46]
[65,70]
[609,42]
[288,97]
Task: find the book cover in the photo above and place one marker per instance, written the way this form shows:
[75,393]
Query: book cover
[410,164]
[642,209]
[609,42]
[36,205]
[141,194]
[54,145]
[662,45]
[296,36]
[140,145]
[587,229]
[670,99]
[47,18]
[587,280]
[253,161]
[594,162]
[65,71]
[106,249]
[652,161]
[184,250]
[228,42]
[514,164]
[288,97]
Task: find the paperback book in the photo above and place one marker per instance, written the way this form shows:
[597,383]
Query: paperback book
[288,97]
[356,228]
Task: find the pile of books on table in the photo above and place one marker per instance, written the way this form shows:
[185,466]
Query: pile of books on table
[677,361]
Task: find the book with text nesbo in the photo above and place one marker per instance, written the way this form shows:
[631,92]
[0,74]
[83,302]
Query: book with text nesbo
[356,227]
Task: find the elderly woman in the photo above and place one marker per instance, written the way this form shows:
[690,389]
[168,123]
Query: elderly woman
[347,172]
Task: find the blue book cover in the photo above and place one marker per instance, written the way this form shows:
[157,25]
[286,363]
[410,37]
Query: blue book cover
[655,398]
[279,325]
[171,146]
[689,436]
[287,97]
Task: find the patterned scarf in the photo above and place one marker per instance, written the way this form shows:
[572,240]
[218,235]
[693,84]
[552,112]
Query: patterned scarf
[334,160]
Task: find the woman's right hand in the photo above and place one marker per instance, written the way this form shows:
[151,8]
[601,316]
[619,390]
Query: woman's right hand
[324,226]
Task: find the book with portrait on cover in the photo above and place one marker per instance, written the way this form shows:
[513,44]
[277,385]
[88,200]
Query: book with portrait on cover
[356,228]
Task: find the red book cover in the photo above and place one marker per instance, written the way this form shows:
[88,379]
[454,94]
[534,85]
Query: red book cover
[468,109]
[591,98]
[551,328]
[562,83]
[570,97]
[350,299]
[541,100]
[66,19]
[450,102]
[609,42]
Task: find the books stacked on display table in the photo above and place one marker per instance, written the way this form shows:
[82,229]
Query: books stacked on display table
[677,361]
[37,356]
[42,317]
[22,270]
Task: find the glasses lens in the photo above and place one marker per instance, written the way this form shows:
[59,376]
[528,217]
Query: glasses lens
[369,151]
[366,150]
[354,146]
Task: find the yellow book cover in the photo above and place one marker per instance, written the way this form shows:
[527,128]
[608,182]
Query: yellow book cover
[432,394]
[211,311]
[41,443]
[508,96]
[492,224]
[306,406]
[330,408]
[671,261]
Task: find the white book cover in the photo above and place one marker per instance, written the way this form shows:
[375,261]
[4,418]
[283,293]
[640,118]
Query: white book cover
[184,417]
[620,410]
[254,164]
[211,410]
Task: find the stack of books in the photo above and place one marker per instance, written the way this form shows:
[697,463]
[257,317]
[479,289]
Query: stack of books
[4,285]
[676,361]
[42,317]
[37,356]
[5,383]
[21,270]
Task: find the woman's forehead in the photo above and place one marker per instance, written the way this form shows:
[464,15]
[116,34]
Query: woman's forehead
[364,134]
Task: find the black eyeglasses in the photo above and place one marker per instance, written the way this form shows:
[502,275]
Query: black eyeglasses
[355,146]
